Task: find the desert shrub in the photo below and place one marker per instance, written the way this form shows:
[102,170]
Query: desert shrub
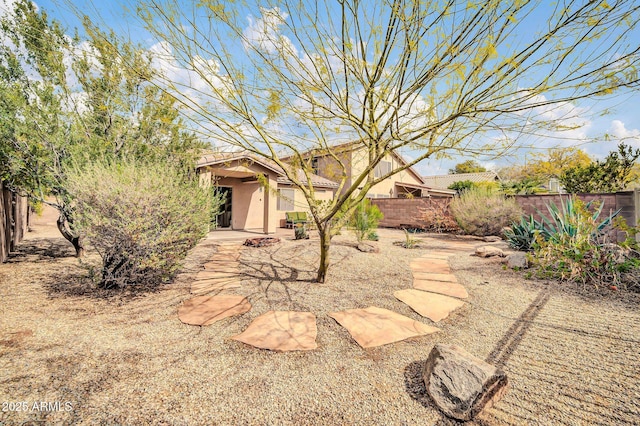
[365,218]
[300,231]
[484,212]
[437,217]
[142,218]
[575,248]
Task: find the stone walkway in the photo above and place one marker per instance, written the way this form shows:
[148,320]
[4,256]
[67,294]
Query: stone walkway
[435,294]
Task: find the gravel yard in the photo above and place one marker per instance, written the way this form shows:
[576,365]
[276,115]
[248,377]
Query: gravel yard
[572,355]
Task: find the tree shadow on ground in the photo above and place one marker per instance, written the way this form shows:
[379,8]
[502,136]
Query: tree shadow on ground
[41,249]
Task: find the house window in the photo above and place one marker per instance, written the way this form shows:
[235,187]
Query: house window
[285,199]
[383,168]
[314,165]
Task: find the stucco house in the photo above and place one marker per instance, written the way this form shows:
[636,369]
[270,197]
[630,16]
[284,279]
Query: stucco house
[405,184]
[248,205]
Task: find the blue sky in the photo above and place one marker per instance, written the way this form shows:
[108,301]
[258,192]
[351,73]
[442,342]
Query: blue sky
[623,120]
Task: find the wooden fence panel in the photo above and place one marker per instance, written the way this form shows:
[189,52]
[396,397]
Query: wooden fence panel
[14,221]
[4,248]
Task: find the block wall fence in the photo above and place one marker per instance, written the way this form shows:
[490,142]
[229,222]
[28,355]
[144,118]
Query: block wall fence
[406,212]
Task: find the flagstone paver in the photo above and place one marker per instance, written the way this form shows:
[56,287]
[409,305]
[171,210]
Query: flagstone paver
[435,294]
[375,326]
[449,278]
[221,272]
[434,306]
[441,287]
[205,310]
[281,331]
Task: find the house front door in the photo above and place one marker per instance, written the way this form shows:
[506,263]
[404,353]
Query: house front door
[223,219]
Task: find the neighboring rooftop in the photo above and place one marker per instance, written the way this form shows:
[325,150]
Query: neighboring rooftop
[444,181]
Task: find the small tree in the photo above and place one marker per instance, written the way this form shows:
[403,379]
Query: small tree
[612,174]
[142,218]
[469,166]
[286,79]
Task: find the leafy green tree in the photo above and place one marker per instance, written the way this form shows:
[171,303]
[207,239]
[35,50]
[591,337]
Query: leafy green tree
[462,185]
[553,162]
[387,76]
[469,166]
[612,174]
[66,103]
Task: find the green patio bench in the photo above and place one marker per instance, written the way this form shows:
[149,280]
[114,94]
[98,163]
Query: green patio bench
[292,218]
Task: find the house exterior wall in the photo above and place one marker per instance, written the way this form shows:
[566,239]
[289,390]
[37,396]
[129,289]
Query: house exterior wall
[330,169]
[300,202]
[252,206]
[386,188]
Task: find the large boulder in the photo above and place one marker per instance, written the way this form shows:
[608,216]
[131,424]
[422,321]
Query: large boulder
[460,384]
[489,251]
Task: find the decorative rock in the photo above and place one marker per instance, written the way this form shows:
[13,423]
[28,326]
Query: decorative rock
[460,384]
[281,331]
[375,326]
[489,251]
[205,310]
[517,260]
[492,239]
[368,248]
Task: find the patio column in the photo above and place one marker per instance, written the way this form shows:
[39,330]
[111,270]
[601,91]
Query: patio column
[270,206]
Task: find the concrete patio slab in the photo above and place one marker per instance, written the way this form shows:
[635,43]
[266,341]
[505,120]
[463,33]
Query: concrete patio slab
[434,306]
[375,326]
[281,331]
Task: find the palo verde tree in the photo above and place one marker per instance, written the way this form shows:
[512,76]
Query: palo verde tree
[287,80]
[68,102]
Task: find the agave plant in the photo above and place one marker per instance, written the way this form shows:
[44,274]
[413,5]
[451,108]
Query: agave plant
[573,218]
[521,236]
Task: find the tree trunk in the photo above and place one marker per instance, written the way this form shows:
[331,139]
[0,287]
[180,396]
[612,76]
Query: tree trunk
[76,240]
[325,244]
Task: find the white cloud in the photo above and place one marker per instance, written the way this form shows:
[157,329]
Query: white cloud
[619,131]
[264,33]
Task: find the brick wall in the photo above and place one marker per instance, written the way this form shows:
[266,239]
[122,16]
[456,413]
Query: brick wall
[404,212]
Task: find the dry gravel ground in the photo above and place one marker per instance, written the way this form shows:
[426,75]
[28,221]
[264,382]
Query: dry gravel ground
[572,356]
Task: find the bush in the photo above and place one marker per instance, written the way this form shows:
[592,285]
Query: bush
[462,185]
[483,212]
[141,218]
[437,217]
[573,246]
[365,219]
